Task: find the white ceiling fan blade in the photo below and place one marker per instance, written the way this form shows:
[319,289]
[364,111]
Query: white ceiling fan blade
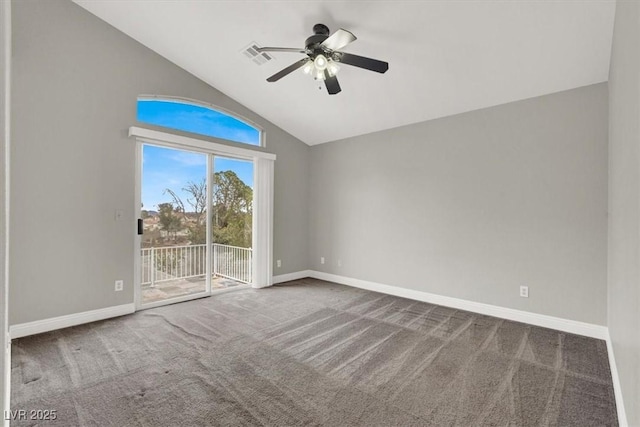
[338,40]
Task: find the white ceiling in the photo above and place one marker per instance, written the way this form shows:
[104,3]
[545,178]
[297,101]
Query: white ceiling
[445,57]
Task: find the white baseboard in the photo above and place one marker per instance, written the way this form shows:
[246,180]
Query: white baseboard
[622,415]
[565,325]
[46,325]
[291,276]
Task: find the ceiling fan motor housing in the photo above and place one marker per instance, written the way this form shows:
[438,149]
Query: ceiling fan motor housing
[321,29]
[320,34]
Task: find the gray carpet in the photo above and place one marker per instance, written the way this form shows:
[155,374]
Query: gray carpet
[312,353]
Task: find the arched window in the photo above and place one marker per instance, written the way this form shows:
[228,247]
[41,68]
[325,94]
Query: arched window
[196,118]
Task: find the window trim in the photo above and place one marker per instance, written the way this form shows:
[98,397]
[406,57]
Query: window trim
[188,142]
[216,108]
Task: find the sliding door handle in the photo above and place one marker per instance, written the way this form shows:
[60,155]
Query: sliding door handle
[140,227]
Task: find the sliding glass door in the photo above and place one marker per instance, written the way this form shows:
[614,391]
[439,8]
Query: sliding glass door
[173,245]
[195,226]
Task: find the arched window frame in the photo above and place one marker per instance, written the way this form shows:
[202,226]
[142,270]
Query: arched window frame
[210,106]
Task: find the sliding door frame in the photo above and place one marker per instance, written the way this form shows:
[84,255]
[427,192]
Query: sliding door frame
[262,234]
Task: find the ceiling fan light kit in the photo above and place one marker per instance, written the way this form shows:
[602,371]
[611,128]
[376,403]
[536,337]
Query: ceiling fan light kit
[317,67]
[323,57]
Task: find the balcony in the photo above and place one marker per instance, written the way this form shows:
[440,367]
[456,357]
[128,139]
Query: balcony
[175,271]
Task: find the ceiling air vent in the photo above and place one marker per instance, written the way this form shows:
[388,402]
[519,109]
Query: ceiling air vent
[251,52]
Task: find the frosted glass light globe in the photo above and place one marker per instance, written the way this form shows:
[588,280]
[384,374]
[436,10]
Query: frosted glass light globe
[333,68]
[308,68]
[320,62]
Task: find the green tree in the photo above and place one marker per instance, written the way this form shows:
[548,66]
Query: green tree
[232,214]
[232,210]
[169,220]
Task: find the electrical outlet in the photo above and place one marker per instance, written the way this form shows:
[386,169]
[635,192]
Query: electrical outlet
[278,263]
[119,285]
[339,263]
[524,291]
[321,260]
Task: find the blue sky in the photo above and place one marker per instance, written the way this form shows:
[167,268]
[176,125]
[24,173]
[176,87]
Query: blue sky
[164,168]
[196,119]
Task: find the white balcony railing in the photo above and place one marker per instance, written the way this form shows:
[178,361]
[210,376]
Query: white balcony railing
[184,262]
[232,262]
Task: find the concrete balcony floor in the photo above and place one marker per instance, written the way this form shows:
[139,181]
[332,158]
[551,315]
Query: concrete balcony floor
[180,287]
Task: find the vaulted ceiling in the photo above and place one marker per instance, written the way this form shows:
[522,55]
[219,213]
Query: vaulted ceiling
[446,57]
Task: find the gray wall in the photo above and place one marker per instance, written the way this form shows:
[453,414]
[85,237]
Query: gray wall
[474,205]
[74,97]
[624,203]
[5,93]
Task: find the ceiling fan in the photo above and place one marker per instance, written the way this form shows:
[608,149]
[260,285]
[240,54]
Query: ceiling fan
[324,55]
